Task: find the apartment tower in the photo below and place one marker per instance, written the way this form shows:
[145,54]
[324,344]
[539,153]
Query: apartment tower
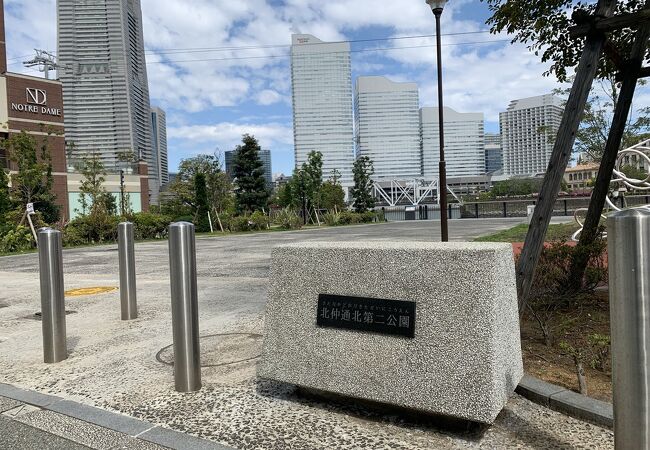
[528,129]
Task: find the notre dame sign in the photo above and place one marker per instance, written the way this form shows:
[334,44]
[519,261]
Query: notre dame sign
[36,103]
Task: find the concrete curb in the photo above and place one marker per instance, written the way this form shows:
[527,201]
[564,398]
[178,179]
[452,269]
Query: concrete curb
[566,401]
[546,394]
[120,423]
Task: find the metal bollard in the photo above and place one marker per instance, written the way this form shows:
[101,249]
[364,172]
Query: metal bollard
[50,260]
[126,258]
[185,312]
[628,235]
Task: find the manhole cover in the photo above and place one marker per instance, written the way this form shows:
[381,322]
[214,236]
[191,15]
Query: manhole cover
[39,316]
[221,349]
[90,291]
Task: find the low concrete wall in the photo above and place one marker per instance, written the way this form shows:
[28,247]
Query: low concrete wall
[464,358]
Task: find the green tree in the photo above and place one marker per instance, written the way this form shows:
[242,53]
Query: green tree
[516,187]
[599,111]
[362,171]
[93,194]
[248,172]
[5,198]
[544,26]
[33,181]
[218,186]
[304,190]
[332,195]
[284,195]
[313,178]
[201,191]
[631,171]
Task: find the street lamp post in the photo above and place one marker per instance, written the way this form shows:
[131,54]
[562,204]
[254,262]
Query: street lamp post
[437,7]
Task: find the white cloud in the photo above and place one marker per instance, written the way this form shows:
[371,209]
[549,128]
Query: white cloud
[28,25]
[486,83]
[228,134]
[268,97]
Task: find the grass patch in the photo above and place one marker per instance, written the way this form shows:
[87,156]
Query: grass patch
[555,232]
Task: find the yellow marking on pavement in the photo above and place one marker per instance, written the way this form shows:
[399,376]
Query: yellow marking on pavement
[90,291]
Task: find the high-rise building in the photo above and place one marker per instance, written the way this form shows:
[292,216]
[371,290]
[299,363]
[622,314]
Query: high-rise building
[528,128]
[104,76]
[387,126]
[321,87]
[265,156]
[464,143]
[493,153]
[229,159]
[159,143]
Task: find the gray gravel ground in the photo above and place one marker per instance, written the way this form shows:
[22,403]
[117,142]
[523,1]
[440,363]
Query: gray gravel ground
[112,364]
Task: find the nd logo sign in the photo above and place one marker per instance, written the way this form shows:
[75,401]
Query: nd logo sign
[36,96]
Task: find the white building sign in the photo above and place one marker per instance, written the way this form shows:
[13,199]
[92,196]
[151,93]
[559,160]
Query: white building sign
[36,103]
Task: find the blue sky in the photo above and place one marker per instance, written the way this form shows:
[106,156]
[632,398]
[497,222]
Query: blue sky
[220,67]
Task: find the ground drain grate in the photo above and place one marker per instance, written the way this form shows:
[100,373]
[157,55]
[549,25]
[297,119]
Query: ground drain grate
[221,349]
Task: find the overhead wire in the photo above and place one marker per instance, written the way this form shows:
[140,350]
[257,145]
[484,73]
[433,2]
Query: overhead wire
[189,50]
[286,55]
[349,41]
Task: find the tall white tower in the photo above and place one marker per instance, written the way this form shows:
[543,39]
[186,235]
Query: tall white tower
[104,76]
[321,87]
[159,143]
[528,128]
[464,143]
[387,127]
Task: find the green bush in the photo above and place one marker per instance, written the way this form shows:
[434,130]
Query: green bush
[288,219]
[369,216]
[260,220]
[16,240]
[349,217]
[240,223]
[554,268]
[332,218]
[183,219]
[91,229]
[149,225]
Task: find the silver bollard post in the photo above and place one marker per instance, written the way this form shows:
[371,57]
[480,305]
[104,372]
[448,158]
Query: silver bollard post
[628,235]
[185,313]
[50,260]
[128,298]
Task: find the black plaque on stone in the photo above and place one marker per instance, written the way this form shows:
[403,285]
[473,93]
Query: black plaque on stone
[396,317]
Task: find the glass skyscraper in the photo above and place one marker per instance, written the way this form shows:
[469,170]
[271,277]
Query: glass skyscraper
[493,153]
[321,87]
[387,127]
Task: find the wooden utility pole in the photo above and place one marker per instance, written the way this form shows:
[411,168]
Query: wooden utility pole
[571,118]
[629,73]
